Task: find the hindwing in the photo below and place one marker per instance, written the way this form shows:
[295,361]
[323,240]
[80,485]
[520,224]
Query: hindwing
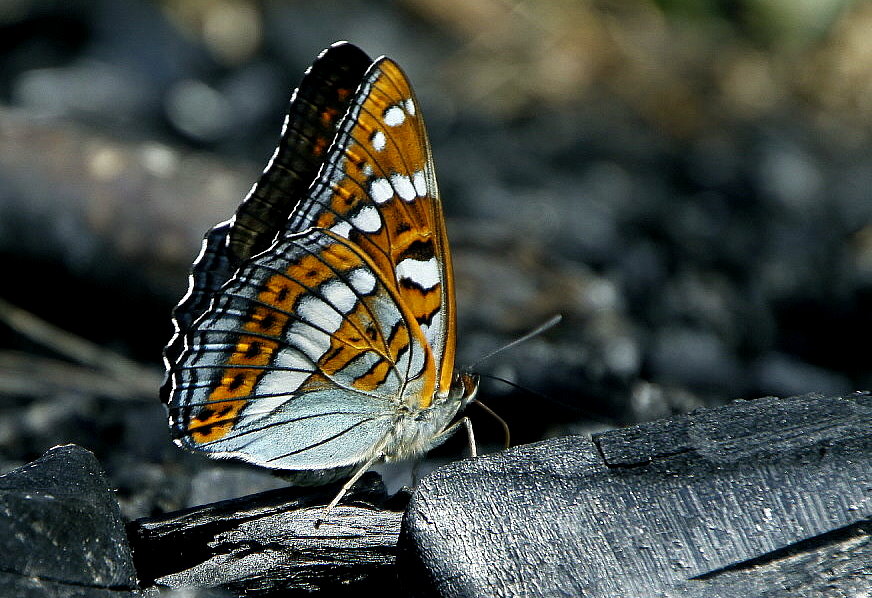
[310,126]
[308,337]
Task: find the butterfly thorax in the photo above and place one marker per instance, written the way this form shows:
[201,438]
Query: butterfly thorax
[417,430]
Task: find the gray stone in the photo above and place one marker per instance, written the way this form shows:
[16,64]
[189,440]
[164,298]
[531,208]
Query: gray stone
[60,530]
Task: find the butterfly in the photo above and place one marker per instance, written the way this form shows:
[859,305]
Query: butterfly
[317,335]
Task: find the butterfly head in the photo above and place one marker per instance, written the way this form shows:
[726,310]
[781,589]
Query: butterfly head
[464,388]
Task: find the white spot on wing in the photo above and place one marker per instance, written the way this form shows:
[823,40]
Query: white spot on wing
[342,228]
[319,313]
[420,182]
[379,141]
[278,386]
[423,273]
[339,295]
[311,341]
[367,220]
[292,360]
[325,194]
[404,186]
[394,116]
[338,170]
[360,365]
[362,280]
[208,348]
[380,190]
[416,360]
[410,106]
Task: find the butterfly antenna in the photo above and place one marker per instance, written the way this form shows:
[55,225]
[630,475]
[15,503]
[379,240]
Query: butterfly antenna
[517,386]
[551,323]
[540,395]
[506,433]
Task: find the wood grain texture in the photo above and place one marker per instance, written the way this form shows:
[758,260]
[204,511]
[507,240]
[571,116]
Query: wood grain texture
[744,499]
[269,544]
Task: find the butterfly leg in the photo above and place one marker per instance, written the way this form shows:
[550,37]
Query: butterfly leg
[378,456]
[347,486]
[449,432]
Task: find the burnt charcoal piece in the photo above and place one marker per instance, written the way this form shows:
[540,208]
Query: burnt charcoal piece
[272,543]
[61,533]
[752,498]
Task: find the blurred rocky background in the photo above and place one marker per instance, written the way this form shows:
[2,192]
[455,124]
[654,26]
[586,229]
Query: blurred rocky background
[689,183]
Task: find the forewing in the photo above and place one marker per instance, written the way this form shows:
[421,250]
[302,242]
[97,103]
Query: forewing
[301,361]
[311,124]
[378,189]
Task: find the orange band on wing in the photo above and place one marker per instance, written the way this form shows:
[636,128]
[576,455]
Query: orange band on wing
[277,298]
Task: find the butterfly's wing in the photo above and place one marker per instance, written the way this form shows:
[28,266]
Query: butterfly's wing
[378,188]
[315,111]
[297,364]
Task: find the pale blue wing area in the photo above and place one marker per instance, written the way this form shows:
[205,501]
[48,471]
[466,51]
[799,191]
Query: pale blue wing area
[317,430]
[296,412]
